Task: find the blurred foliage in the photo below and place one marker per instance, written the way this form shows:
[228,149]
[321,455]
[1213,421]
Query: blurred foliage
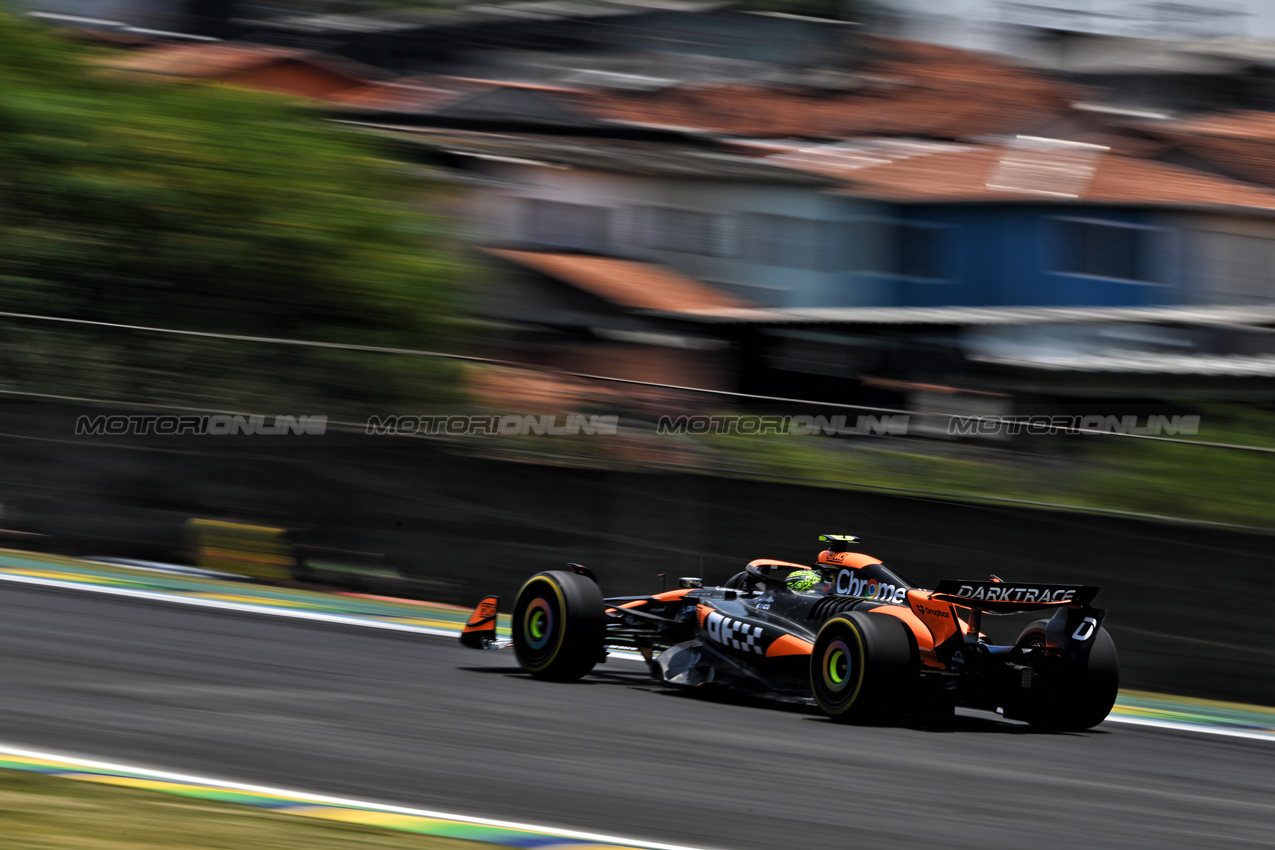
[45,812]
[206,208]
[1156,478]
[1200,483]
[872,462]
[1086,472]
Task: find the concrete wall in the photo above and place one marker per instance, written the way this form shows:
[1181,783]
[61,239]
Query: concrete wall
[1188,606]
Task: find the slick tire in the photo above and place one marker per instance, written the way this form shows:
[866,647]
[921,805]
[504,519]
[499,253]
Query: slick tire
[559,626]
[1073,697]
[863,668]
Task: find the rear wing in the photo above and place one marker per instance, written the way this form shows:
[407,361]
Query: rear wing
[1002,597]
[1072,624]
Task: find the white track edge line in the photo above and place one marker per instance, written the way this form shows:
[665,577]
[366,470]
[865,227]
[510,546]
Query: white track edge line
[222,605]
[1187,727]
[249,608]
[308,797]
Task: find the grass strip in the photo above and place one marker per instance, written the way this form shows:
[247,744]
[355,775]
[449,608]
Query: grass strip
[40,812]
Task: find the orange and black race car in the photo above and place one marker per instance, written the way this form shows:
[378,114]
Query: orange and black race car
[854,634]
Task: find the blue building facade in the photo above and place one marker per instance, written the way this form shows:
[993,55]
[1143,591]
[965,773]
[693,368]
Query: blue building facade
[987,255]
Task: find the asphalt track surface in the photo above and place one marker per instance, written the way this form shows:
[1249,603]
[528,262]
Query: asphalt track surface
[420,721]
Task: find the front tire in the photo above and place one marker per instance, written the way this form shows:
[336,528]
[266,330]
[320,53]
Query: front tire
[863,669]
[559,626]
[1074,697]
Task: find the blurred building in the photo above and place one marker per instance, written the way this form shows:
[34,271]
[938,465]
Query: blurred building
[846,268]
[897,219]
[155,14]
[551,41]
[209,18]
[1015,27]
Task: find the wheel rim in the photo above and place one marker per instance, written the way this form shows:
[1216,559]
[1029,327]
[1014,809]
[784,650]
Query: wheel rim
[537,624]
[837,667]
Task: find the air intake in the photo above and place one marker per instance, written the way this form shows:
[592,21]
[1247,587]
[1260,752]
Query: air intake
[830,605]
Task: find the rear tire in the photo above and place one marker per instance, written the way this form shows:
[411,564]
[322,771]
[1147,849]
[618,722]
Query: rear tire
[559,626]
[1073,697]
[863,669]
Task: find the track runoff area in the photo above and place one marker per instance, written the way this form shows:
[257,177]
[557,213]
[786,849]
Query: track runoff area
[21,568]
[285,801]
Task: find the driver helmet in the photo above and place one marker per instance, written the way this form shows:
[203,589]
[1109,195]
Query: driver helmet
[802,579]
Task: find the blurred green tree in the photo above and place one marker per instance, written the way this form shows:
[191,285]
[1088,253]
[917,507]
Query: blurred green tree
[206,208]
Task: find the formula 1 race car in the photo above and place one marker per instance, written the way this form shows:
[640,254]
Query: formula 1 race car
[854,634]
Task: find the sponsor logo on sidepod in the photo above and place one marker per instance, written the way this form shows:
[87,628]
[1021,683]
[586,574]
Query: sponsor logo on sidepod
[848,584]
[733,633]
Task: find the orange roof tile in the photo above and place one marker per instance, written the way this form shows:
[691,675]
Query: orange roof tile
[1239,143]
[910,89]
[203,60]
[224,59]
[1234,125]
[907,89]
[1119,179]
[392,97]
[948,172]
[638,286]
